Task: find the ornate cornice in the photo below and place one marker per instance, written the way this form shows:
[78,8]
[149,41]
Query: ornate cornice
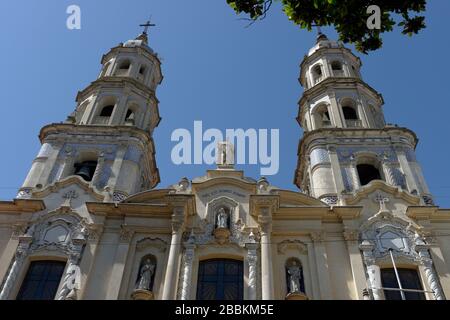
[433,214]
[21,205]
[129,209]
[292,244]
[120,82]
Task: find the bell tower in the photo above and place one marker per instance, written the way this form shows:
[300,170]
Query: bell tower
[107,141]
[346,143]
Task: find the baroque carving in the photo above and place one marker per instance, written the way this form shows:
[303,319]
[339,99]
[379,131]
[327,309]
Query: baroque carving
[64,233]
[24,193]
[284,245]
[125,234]
[119,196]
[317,236]
[157,243]
[330,200]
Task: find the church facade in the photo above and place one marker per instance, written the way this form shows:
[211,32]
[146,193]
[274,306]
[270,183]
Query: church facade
[89,222]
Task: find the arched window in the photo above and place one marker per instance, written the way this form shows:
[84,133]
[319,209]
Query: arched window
[85,169]
[294,276]
[129,117]
[409,279]
[123,68]
[317,73]
[125,65]
[142,71]
[336,67]
[107,111]
[220,279]
[323,119]
[350,114]
[367,173]
[42,280]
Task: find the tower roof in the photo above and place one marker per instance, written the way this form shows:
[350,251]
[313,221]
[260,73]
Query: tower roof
[323,42]
[140,41]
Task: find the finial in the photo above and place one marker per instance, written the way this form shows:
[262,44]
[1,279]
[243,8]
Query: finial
[320,36]
[144,35]
[382,201]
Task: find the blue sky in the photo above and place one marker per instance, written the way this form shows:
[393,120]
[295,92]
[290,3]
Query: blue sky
[215,70]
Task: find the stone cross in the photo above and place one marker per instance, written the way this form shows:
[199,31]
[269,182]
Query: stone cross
[146,26]
[382,201]
[69,196]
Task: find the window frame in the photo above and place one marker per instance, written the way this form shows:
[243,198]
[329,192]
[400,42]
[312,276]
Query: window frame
[26,267]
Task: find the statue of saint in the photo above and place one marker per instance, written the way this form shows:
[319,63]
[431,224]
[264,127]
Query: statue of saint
[224,155]
[222,219]
[294,275]
[146,274]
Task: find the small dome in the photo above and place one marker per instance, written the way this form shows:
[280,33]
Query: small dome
[140,41]
[323,42]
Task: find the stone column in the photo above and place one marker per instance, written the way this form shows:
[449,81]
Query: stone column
[373,270]
[336,110]
[406,168]
[115,279]
[430,273]
[355,175]
[336,169]
[189,254]
[314,271]
[322,265]
[68,166]
[98,170]
[170,280]
[89,111]
[265,222]
[117,166]
[252,259]
[120,108]
[356,263]
[21,253]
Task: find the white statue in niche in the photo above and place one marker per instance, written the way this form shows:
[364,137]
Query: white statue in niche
[294,275]
[146,274]
[222,219]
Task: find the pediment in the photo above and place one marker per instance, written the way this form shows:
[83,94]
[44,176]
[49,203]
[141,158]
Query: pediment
[70,193]
[378,186]
[76,181]
[238,182]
